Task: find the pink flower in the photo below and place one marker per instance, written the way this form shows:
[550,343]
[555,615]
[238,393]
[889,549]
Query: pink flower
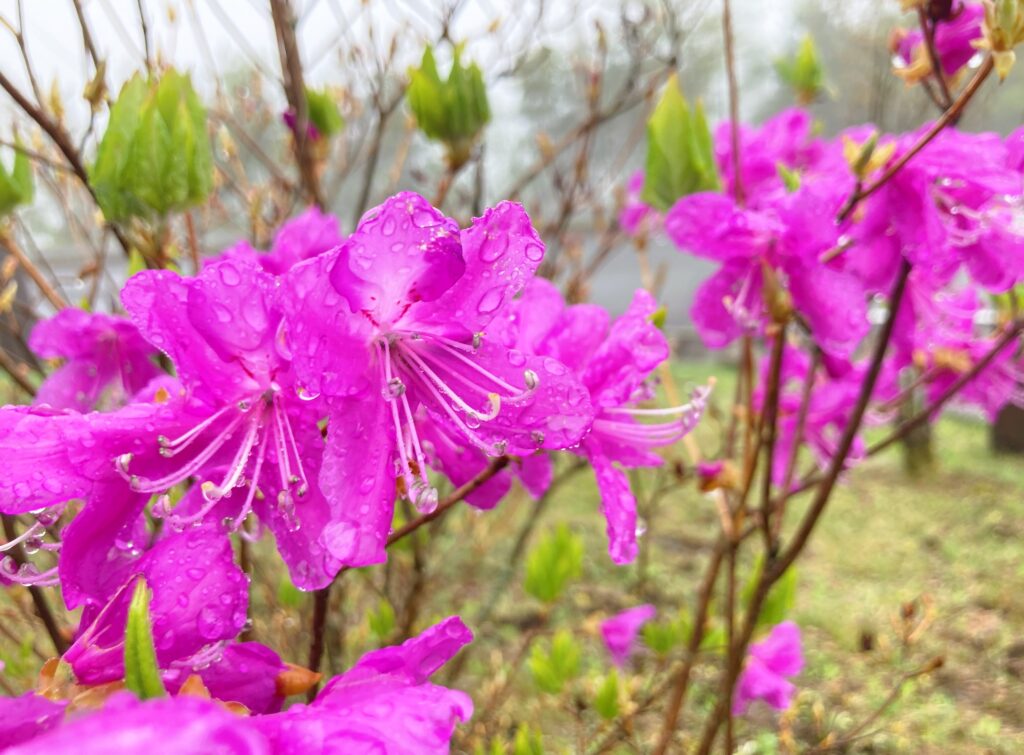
[620,631]
[953,37]
[637,217]
[769,665]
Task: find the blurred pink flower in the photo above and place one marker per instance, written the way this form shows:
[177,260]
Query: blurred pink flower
[620,631]
[769,665]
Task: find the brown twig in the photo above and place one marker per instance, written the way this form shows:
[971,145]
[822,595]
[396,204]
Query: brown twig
[87,41]
[55,130]
[779,506]
[14,249]
[295,90]
[856,732]
[954,388]
[682,678]
[321,598]
[145,37]
[946,119]
[770,435]
[734,101]
[773,571]
[42,605]
[928,32]
[12,368]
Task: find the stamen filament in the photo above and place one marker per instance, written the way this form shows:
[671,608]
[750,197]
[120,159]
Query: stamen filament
[458,401]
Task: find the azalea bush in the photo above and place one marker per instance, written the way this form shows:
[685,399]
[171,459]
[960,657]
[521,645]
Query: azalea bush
[229,469]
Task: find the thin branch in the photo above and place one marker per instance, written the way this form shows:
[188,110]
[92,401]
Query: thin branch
[321,598]
[770,435]
[295,90]
[13,369]
[893,696]
[682,678]
[42,605]
[775,569]
[7,242]
[928,32]
[946,119]
[146,48]
[908,425]
[734,101]
[87,41]
[60,137]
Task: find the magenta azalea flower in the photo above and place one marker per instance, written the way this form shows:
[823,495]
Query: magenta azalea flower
[289,119]
[394,322]
[240,672]
[106,361]
[301,238]
[620,631]
[637,217]
[954,38]
[383,704]
[182,725]
[769,666]
[785,239]
[26,717]
[199,598]
[245,419]
[955,205]
[786,139]
[614,361]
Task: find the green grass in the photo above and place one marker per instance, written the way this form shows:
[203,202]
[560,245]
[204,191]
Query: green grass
[947,543]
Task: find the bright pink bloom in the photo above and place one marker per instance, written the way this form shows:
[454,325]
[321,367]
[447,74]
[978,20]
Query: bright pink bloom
[954,36]
[106,360]
[620,631]
[392,329]
[301,238]
[638,217]
[770,664]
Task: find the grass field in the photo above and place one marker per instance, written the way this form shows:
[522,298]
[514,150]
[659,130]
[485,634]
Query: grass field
[900,571]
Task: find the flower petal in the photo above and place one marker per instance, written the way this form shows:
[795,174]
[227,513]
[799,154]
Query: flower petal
[402,252]
[502,251]
[358,476]
[158,303]
[633,348]
[26,717]
[619,508]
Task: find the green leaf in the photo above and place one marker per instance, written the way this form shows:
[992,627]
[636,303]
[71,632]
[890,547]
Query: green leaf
[155,156]
[663,637]
[803,71]
[680,155]
[17,187]
[555,663]
[323,112]
[790,178]
[141,673]
[658,317]
[555,560]
[453,110]
[382,621]
[606,702]
[527,741]
[288,595]
[780,600]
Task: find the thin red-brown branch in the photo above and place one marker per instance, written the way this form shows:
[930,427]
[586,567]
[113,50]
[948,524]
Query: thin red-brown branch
[946,119]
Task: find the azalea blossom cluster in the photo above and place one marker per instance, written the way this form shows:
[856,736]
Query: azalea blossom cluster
[791,254]
[309,387]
